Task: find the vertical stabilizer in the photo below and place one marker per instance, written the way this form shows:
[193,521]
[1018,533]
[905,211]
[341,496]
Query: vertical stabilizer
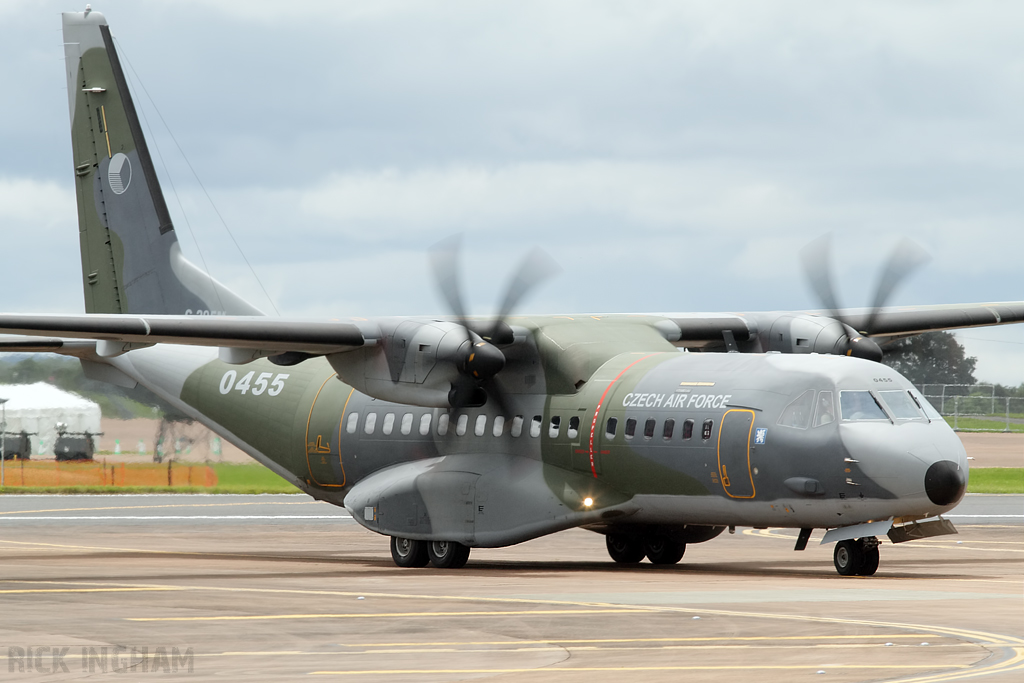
[131,260]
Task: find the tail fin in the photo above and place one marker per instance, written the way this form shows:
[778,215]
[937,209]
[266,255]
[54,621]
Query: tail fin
[131,260]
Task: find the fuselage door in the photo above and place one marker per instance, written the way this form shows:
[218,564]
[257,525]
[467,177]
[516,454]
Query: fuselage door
[734,453]
[323,433]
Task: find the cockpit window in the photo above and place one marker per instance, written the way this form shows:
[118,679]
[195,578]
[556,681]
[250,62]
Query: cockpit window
[901,405]
[860,405]
[798,413]
[825,409]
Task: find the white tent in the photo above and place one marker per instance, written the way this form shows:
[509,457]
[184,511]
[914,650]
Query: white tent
[39,407]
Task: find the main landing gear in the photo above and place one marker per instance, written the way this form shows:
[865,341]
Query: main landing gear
[856,557]
[626,549]
[442,554]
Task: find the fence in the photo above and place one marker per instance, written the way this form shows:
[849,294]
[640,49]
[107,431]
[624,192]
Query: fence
[975,407]
[52,473]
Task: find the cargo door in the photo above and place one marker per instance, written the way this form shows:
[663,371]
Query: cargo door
[734,453]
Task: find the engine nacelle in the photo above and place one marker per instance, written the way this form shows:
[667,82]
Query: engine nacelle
[803,333]
[418,362]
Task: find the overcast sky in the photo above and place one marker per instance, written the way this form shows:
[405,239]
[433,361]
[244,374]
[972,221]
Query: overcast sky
[672,156]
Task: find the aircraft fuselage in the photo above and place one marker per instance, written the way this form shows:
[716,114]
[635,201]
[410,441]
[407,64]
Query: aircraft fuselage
[663,438]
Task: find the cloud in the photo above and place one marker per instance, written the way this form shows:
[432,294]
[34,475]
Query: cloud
[672,156]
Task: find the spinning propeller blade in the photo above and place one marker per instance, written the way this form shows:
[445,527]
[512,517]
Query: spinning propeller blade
[484,360]
[904,260]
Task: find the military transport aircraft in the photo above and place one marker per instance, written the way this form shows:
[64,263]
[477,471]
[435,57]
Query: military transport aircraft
[458,432]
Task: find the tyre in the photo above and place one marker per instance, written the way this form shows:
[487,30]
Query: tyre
[409,553]
[624,549]
[848,557]
[870,565]
[447,554]
[663,550]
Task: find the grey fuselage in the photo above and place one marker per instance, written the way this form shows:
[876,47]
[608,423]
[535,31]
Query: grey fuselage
[554,463]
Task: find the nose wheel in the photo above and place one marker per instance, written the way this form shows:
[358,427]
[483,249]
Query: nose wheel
[856,557]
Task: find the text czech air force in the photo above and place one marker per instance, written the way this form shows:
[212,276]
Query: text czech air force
[675,400]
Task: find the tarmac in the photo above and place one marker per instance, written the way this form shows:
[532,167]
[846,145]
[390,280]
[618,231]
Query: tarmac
[274,588]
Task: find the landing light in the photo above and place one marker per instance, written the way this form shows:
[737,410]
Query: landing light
[588,501]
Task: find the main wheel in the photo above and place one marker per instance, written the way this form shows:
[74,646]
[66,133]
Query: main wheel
[848,557]
[624,549]
[447,554]
[663,550]
[409,553]
[870,565]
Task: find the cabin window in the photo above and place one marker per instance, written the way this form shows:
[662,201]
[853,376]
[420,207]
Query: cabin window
[442,424]
[353,420]
[670,428]
[424,424]
[825,412]
[499,426]
[901,405]
[389,424]
[407,424]
[535,426]
[371,423]
[798,413]
[480,426]
[705,432]
[610,426]
[688,429]
[630,427]
[556,424]
[860,405]
[517,426]
[649,428]
[461,424]
[574,427]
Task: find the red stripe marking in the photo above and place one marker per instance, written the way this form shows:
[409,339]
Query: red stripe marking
[597,411]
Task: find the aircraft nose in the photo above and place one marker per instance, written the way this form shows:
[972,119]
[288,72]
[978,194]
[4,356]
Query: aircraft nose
[945,482]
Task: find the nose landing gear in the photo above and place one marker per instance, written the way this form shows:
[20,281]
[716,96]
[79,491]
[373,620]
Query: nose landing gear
[856,557]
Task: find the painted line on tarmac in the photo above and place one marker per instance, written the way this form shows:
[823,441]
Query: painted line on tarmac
[154,507]
[85,590]
[403,615]
[93,518]
[692,639]
[1011,647]
[593,669]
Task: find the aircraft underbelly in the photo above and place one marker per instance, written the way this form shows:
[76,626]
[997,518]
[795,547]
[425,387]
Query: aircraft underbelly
[783,512]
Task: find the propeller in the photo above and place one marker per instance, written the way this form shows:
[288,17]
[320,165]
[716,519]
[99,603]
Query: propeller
[904,260]
[482,360]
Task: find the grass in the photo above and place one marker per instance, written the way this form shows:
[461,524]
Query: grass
[231,478]
[996,480]
[967,424]
[248,478]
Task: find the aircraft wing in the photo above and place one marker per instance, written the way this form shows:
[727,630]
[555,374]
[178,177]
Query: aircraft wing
[318,337]
[314,337]
[917,319]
